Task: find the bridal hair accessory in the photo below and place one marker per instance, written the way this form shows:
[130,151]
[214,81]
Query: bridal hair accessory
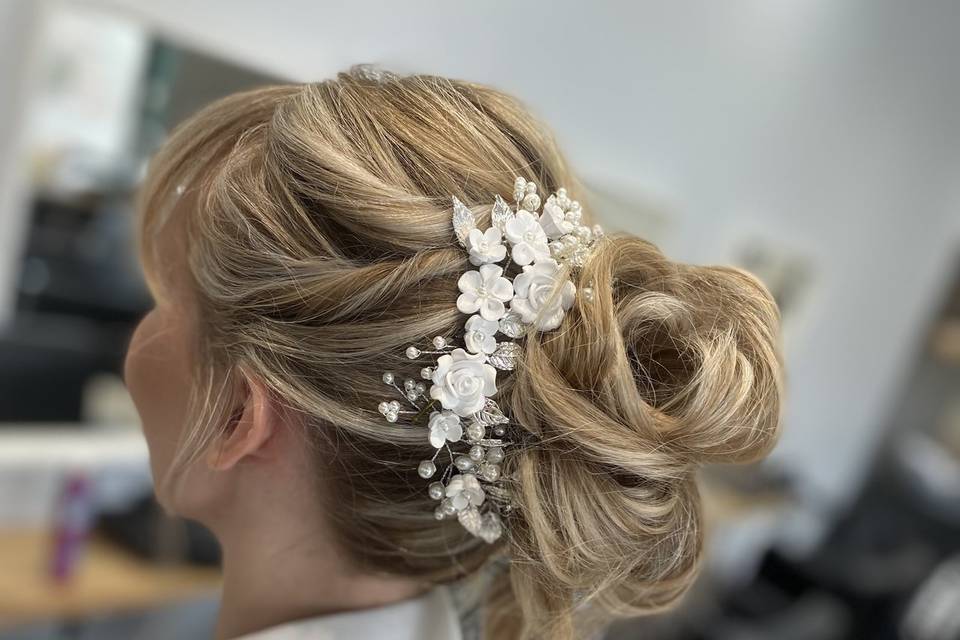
[462,418]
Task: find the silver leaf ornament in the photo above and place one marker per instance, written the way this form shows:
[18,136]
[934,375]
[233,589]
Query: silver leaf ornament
[471,520]
[463,221]
[511,325]
[501,214]
[490,529]
[506,355]
[490,414]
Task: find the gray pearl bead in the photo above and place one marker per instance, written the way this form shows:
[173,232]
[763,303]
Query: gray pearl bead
[490,472]
[474,432]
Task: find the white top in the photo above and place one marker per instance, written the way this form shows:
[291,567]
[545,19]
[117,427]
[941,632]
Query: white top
[431,616]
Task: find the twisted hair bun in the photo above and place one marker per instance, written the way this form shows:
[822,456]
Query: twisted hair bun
[319,243]
[666,367]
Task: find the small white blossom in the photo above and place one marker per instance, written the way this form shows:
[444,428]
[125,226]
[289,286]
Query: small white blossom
[527,237]
[536,300]
[485,246]
[479,336]
[464,490]
[463,381]
[444,426]
[553,220]
[485,291]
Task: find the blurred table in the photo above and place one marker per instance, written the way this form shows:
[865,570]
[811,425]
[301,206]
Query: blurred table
[108,579]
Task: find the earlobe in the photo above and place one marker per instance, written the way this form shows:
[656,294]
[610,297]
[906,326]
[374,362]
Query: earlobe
[250,430]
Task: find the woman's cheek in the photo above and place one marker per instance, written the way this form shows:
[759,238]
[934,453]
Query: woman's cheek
[154,371]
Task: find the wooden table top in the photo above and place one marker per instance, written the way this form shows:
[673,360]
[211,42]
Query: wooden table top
[108,579]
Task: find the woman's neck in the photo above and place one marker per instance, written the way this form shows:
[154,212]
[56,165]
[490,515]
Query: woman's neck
[279,569]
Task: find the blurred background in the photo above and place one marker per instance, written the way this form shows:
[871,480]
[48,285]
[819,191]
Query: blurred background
[816,143]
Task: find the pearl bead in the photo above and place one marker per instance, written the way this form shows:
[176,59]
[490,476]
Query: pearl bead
[383,408]
[531,187]
[420,388]
[448,507]
[394,405]
[426,469]
[597,230]
[520,183]
[463,463]
[388,377]
[476,453]
[531,202]
[474,432]
[499,431]
[436,490]
[412,395]
[426,373]
[439,342]
[413,352]
[439,514]
[391,416]
[490,472]
[408,384]
[495,455]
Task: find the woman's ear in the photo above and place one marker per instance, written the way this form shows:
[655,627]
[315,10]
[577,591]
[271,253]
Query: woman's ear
[251,428]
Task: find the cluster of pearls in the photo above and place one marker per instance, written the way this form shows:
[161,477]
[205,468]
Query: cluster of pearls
[390,410]
[525,193]
[574,246]
[412,390]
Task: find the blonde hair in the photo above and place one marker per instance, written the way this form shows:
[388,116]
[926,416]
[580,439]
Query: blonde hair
[319,246]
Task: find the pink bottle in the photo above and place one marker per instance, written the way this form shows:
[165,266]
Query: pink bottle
[71,524]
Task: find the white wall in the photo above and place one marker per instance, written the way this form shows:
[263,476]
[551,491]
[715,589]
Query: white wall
[829,128]
[18,28]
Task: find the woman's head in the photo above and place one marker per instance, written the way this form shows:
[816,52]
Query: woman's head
[310,242]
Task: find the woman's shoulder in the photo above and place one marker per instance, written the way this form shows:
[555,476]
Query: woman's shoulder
[431,616]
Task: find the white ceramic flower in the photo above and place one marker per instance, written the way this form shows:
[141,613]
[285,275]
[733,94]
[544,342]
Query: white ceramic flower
[485,291]
[462,382]
[479,336]
[485,246]
[536,301]
[527,237]
[554,221]
[464,490]
[444,427]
